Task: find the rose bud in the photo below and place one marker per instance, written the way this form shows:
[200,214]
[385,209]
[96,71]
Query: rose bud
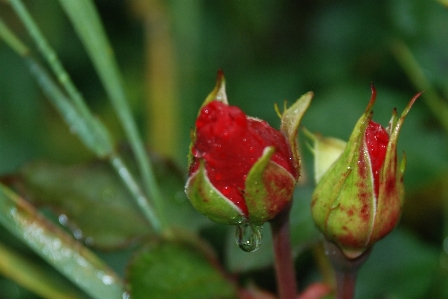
[241,170]
[359,198]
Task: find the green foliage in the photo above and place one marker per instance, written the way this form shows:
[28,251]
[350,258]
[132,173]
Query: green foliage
[185,273]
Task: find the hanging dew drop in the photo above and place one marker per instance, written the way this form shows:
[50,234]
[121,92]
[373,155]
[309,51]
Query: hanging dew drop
[248,237]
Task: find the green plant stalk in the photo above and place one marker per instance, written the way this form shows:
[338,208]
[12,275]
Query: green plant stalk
[27,273]
[96,137]
[417,76]
[91,131]
[51,57]
[58,248]
[77,115]
[87,24]
[284,263]
[133,187]
[11,40]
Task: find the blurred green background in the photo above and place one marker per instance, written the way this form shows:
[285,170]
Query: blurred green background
[270,51]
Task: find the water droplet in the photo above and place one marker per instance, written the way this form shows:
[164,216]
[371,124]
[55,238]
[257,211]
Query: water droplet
[226,190]
[108,280]
[89,241]
[251,149]
[63,219]
[248,237]
[218,176]
[77,233]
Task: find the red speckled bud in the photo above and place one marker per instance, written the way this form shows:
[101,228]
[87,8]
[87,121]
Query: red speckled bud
[359,198]
[241,169]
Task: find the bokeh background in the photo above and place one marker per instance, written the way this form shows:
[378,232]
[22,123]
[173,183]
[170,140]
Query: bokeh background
[270,51]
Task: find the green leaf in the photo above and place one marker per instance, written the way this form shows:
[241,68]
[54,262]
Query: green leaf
[90,200]
[58,248]
[399,267]
[93,203]
[175,271]
[209,201]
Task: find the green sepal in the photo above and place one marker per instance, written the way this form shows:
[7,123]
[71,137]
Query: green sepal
[336,206]
[268,188]
[219,92]
[290,121]
[207,200]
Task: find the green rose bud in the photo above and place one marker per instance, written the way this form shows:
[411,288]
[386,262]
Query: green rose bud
[358,199]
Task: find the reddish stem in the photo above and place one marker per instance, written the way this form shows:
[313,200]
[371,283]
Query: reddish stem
[284,263]
[345,282]
[346,269]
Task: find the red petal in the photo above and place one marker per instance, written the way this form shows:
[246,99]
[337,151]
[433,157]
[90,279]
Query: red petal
[376,139]
[230,143]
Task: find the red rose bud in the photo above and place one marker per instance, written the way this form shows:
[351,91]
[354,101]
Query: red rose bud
[358,199]
[241,169]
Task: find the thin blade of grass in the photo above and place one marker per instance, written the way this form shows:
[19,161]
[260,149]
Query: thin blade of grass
[86,21]
[417,76]
[34,277]
[94,135]
[51,57]
[57,247]
[73,109]
[91,131]
[11,40]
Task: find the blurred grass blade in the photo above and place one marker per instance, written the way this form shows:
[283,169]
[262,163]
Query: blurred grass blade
[86,21]
[11,40]
[58,248]
[51,57]
[444,2]
[417,76]
[91,131]
[34,277]
[94,135]
[73,109]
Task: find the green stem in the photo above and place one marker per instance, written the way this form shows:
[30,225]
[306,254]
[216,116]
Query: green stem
[284,263]
[12,41]
[136,191]
[346,269]
[83,12]
[87,23]
[52,59]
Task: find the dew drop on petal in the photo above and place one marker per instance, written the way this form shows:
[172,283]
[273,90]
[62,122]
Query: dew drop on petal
[248,237]
[225,190]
